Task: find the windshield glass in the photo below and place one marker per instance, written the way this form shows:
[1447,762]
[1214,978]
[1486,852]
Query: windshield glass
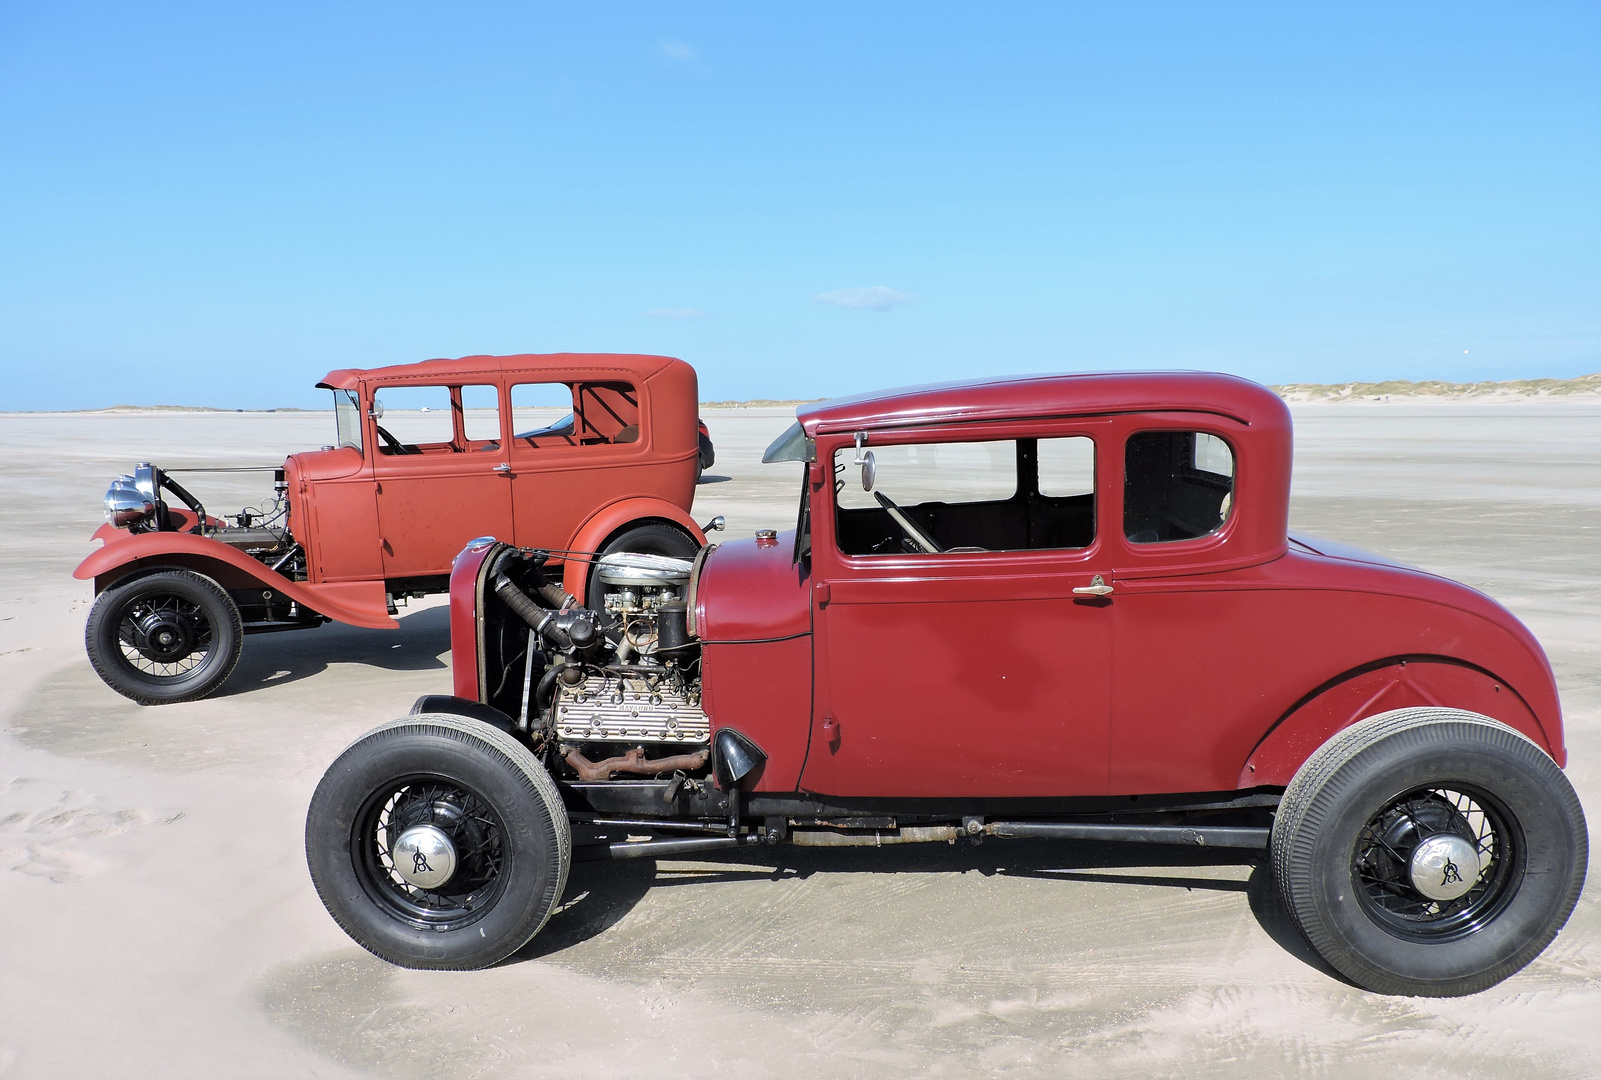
[347,416]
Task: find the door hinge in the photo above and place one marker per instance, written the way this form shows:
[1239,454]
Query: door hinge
[822,592]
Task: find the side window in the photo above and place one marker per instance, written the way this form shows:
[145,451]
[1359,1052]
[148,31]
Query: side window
[946,473]
[607,413]
[966,497]
[1067,466]
[1178,485]
[574,414]
[480,417]
[542,414]
[415,419]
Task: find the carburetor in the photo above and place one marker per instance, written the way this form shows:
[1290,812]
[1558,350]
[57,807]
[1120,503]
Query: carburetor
[645,595]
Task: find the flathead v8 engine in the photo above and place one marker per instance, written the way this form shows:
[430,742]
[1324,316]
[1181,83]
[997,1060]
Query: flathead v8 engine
[613,689]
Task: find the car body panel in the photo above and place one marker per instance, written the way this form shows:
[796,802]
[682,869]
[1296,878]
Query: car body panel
[1208,646]
[366,519]
[1209,664]
[613,518]
[356,603]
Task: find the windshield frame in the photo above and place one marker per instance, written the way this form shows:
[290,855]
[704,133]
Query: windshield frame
[347,420]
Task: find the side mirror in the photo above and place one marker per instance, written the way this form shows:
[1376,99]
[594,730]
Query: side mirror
[869,471]
[377,410]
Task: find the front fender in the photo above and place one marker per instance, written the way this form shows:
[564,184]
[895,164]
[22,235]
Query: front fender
[607,520]
[357,603]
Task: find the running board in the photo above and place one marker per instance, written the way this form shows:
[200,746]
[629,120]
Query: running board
[1222,836]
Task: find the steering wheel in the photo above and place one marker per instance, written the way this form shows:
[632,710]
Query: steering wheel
[913,533]
[395,445]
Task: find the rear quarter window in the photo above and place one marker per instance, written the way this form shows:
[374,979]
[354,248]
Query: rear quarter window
[1178,485]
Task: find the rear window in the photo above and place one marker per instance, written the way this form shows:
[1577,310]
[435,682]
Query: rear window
[1178,485]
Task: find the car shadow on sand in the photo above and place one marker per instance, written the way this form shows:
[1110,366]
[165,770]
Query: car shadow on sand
[600,894]
[292,655]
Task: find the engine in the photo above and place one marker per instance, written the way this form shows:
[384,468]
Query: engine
[134,502]
[614,690]
[643,694]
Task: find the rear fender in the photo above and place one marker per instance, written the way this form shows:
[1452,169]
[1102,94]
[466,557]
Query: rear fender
[610,520]
[358,603]
[1397,683]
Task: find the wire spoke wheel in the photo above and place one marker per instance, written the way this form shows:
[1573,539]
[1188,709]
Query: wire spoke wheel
[172,635]
[438,841]
[468,837]
[1436,864]
[164,636]
[1429,851]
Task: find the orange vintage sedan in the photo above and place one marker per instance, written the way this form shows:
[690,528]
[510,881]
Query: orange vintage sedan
[572,452]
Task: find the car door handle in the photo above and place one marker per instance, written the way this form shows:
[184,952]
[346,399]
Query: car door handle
[1096,587]
[503,469]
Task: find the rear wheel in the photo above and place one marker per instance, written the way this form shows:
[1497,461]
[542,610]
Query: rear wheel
[438,842]
[170,636]
[1430,852]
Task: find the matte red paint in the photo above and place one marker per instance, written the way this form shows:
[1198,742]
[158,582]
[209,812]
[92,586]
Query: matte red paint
[610,520]
[366,518]
[230,569]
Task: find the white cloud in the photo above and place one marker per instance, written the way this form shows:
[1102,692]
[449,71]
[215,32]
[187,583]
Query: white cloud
[675,313]
[871,297]
[673,49]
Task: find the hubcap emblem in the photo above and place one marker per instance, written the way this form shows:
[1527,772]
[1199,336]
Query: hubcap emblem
[1444,867]
[424,856]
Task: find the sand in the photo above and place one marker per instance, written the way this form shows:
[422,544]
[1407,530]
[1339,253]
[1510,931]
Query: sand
[161,921]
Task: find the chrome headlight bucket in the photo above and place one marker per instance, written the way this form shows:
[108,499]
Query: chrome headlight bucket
[130,499]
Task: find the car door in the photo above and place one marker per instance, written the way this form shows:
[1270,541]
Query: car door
[577,445]
[441,475]
[984,668]
[1209,652]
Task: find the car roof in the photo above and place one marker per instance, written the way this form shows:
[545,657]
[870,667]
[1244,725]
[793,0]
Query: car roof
[1013,397]
[638,365]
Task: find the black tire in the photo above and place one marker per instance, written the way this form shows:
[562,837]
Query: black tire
[511,845]
[651,538]
[170,636]
[1346,873]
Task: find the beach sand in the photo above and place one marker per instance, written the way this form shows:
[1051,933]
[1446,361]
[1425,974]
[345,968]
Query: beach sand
[161,922]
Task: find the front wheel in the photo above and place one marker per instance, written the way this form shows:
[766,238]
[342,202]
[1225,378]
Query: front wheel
[438,842]
[170,636]
[1430,852]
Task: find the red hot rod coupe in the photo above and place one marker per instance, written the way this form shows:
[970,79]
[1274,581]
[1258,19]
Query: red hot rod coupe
[429,455]
[1049,607]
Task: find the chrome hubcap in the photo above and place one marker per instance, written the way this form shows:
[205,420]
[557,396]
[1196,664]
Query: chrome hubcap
[1444,867]
[424,856]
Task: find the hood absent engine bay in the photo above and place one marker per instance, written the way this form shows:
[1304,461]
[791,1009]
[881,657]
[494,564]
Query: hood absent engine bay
[615,688]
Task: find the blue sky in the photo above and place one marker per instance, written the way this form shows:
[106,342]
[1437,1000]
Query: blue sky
[215,203]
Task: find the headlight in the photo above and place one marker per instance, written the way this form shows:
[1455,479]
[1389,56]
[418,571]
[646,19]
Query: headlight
[125,503]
